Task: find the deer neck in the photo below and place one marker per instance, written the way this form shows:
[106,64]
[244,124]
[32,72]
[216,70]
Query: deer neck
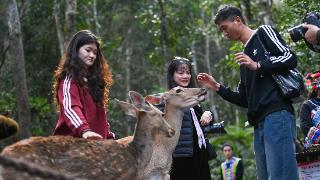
[174,117]
[142,144]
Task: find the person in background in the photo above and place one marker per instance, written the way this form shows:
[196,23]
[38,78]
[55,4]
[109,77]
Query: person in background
[232,167]
[81,87]
[190,158]
[310,111]
[268,111]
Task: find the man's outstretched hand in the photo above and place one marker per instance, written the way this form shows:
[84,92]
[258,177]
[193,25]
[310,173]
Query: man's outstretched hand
[208,81]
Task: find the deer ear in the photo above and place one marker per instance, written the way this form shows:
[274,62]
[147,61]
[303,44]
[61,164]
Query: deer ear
[138,101]
[128,108]
[154,99]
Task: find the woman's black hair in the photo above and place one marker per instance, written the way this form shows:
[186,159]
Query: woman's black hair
[98,76]
[173,67]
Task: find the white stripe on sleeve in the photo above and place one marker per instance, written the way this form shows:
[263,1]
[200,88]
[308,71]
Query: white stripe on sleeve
[287,54]
[69,112]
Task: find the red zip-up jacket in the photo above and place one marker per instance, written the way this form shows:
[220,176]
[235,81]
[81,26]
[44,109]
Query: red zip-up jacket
[78,111]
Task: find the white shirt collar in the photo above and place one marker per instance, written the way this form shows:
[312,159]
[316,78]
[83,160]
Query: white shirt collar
[250,38]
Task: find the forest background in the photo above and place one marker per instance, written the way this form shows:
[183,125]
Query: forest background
[139,38]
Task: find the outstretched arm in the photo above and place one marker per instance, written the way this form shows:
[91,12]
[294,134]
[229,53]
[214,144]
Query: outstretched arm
[208,81]
[238,97]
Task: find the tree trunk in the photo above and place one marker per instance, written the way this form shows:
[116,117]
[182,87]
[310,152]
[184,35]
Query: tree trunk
[4,52]
[128,54]
[95,17]
[70,20]
[15,55]
[236,113]
[56,15]
[23,7]
[207,51]
[246,7]
[194,57]
[164,39]
[87,14]
[207,60]
[266,9]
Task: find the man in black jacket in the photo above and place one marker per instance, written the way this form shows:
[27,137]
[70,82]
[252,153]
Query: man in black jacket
[269,112]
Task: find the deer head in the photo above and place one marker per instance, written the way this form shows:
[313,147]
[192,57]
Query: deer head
[151,118]
[179,97]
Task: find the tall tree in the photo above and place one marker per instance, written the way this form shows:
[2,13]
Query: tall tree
[246,6]
[95,17]
[266,10]
[164,34]
[23,6]
[128,59]
[15,55]
[56,15]
[70,19]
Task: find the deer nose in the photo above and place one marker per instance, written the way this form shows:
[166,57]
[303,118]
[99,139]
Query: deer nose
[171,132]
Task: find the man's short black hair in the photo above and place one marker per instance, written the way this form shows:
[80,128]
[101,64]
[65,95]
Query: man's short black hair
[228,13]
[227,145]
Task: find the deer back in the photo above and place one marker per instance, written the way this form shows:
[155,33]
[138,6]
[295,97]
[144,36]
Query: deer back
[95,159]
[98,159]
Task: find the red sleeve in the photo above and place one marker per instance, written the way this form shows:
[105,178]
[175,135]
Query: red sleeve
[70,102]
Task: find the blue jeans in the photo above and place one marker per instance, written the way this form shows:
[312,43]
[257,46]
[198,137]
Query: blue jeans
[274,147]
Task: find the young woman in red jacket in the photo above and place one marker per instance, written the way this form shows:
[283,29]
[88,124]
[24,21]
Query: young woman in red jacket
[81,87]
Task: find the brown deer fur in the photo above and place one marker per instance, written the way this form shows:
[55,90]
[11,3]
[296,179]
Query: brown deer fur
[175,101]
[95,159]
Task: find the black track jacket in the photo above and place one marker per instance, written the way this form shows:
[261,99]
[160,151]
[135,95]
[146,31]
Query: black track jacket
[257,90]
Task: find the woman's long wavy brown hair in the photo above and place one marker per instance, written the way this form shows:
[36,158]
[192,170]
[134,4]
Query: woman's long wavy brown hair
[99,75]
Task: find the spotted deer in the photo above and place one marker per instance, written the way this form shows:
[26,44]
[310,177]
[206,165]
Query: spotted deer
[175,101]
[95,159]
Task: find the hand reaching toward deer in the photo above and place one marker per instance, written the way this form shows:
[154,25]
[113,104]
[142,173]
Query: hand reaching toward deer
[91,135]
[208,81]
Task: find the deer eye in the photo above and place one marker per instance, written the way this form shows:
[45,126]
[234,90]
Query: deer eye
[178,90]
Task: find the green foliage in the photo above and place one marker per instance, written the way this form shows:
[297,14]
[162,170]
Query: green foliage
[126,24]
[7,102]
[41,116]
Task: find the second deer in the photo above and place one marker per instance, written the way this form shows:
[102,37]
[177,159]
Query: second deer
[175,101]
